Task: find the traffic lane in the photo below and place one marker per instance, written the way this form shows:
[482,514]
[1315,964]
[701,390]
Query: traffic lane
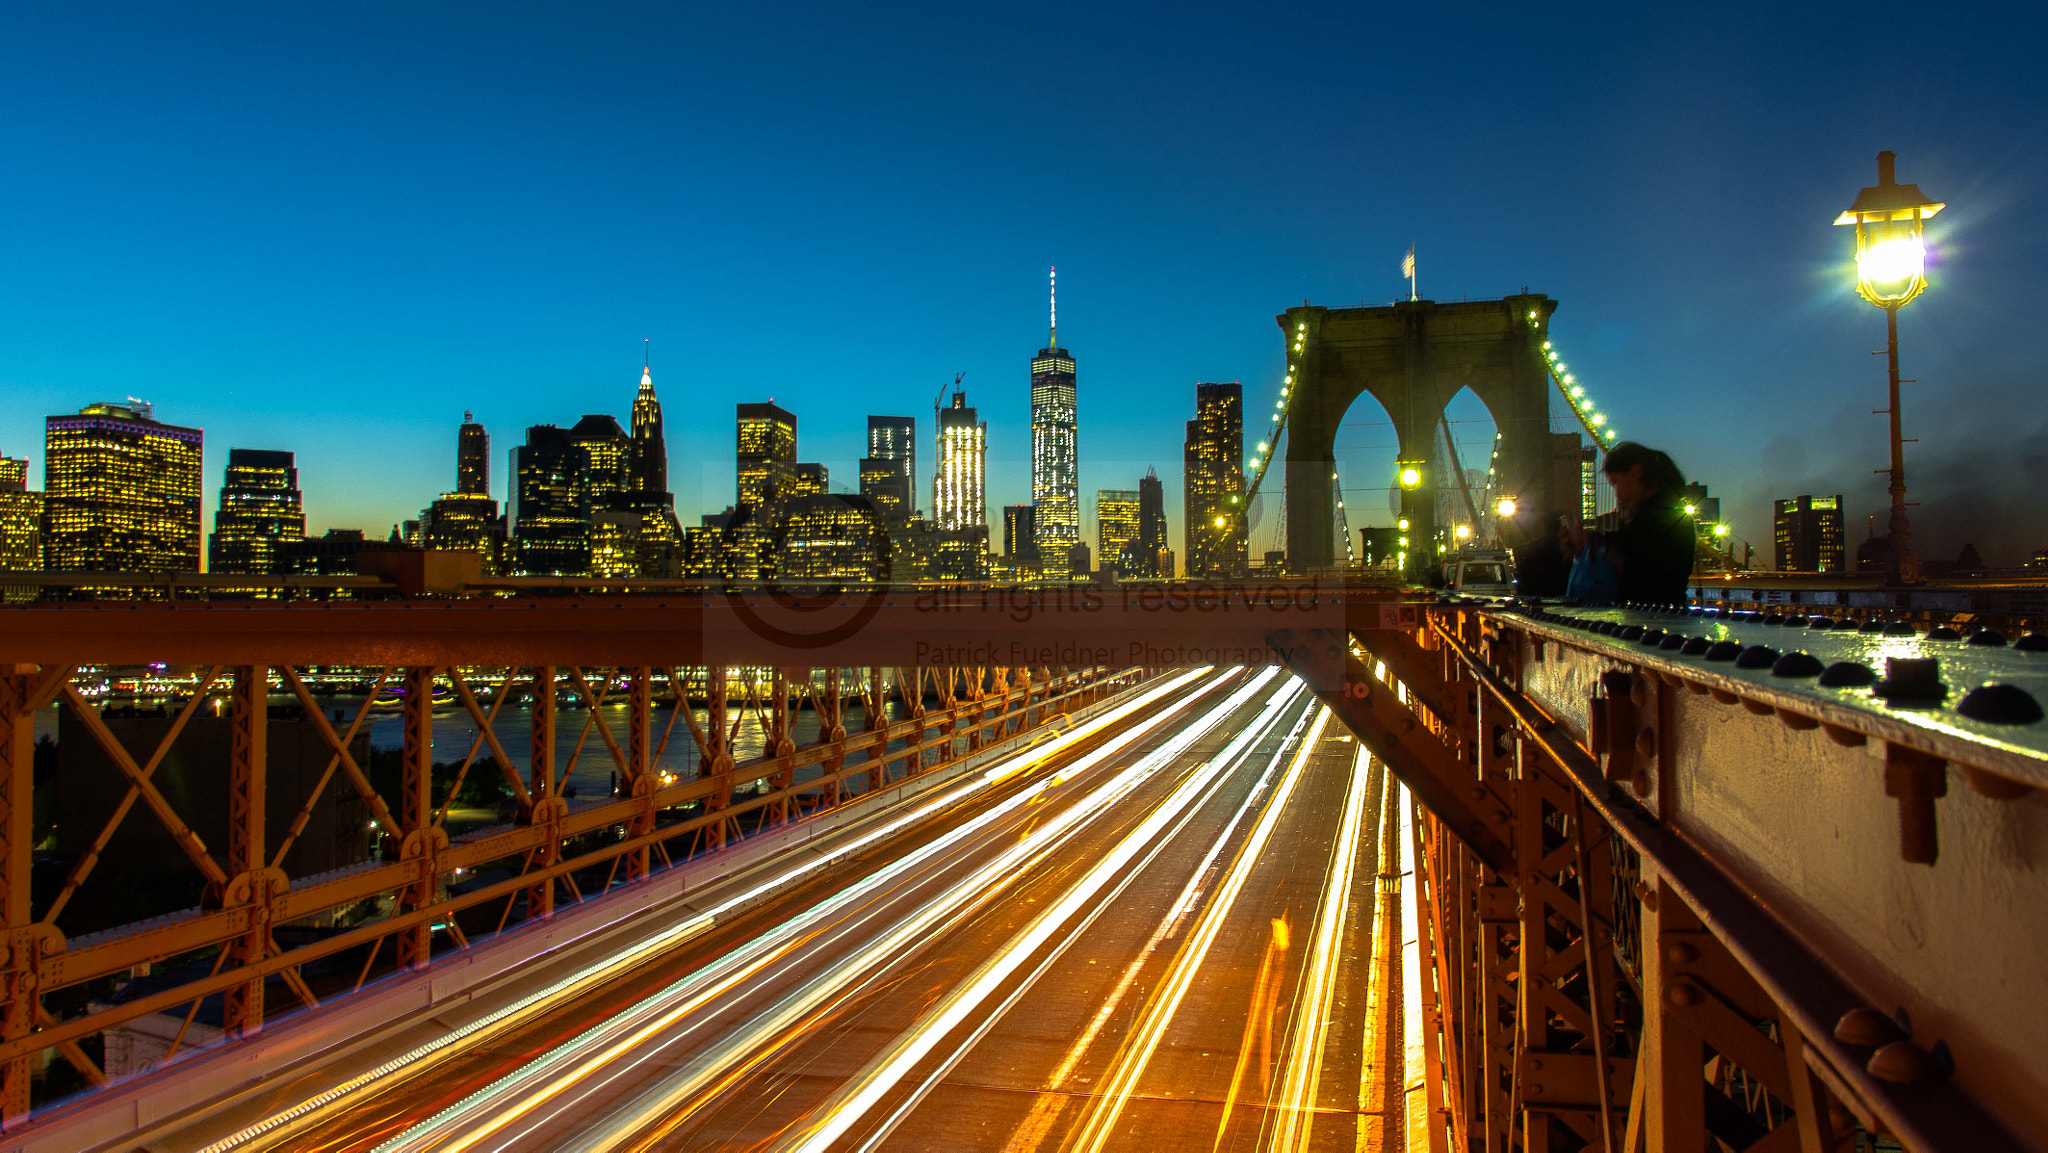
[1051,1050]
[390,1112]
[841,1041]
[1013,1086]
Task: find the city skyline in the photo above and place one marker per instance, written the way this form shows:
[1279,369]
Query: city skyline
[450,239]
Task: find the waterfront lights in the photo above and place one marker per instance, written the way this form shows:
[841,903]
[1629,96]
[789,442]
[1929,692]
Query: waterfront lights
[1891,257]
[1506,507]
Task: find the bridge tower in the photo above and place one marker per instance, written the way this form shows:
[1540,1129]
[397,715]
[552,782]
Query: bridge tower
[1413,356]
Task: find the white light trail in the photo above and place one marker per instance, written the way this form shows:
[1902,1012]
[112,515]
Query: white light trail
[1144,1040]
[455,1041]
[1295,1121]
[1207,779]
[861,1092]
[866,1088]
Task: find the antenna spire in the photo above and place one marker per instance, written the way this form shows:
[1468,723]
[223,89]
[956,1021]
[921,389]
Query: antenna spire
[1052,274]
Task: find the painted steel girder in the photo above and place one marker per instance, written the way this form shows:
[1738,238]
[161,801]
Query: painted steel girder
[1439,779]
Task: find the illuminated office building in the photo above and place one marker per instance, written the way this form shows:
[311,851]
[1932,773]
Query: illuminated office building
[766,457]
[648,466]
[1809,534]
[635,534]
[1213,470]
[809,480]
[472,457]
[957,482]
[1055,467]
[260,508]
[606,458]
[832,539]
[886,482]
[1152,557]
[550,533]
[895,438]
[1116,528]
[21,528]
[122,492]
[1020,537]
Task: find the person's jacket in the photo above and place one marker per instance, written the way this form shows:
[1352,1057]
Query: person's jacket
[1654,552]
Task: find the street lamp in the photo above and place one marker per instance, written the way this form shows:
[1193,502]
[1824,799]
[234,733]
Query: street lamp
[1891,269]
[1506,507]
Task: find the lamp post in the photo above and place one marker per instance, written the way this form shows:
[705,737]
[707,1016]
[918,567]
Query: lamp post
[1891,269]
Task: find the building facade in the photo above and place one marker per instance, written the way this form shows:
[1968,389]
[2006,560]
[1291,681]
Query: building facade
[831,539]
[1216,534]
[21,528]
[766,452]
[1116,529]
[647,465]
[1809,534]
[958,481]
[886,482]
[121,491]
[260,509]
[895,438]
[1154,559]
[1020,537]
[550,534]
[472,457]
[1055,460]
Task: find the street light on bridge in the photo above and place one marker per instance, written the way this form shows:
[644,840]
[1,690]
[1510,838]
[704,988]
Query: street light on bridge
[1891,269]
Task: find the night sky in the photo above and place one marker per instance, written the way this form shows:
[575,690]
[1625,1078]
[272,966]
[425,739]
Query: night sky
[333,228]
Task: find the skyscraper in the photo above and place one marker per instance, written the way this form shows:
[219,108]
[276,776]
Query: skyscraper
[1055,468]
[1116,529]
[766,452]
[1213,469]
[1020,535]
[887,483]
[957,483]
[606,451]
[1154,559]
[21,527]
[472,457]
[260,509]
[895,438]
[1809,534]
[649,455]
[550,533]
[121,491]
[467,518]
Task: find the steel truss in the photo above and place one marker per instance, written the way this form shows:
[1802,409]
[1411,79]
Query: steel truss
[247,896]
[1593,978]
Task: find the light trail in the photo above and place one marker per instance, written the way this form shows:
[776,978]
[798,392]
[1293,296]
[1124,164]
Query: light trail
[1051,1101]
[1208,781]
[418,1059]
[868,1086]
[1295,1119]
[509,1099]
[1137,1050]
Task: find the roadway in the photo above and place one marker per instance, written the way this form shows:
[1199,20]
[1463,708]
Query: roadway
[1152,934]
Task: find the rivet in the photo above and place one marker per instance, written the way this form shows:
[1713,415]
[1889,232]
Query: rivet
[1681,952]
[1684,995]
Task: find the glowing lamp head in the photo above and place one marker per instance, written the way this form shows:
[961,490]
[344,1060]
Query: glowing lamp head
[1462,532]
[1402,524]
[1891,256]
[1692,510]
[1720,530]
[1410,476]
[1506,507]
[1219,522]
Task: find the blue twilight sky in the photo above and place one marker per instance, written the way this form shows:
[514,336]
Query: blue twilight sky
[331,228]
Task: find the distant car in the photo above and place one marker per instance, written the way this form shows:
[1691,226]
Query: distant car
[1488,573]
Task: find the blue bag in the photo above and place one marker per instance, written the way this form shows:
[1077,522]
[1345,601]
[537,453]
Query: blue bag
[1593,580]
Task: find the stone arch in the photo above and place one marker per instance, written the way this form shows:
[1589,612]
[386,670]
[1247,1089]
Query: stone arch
[1412,357]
